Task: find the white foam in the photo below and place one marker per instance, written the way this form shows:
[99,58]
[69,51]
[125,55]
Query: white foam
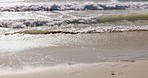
[18,42]
[74,6]
[10,0]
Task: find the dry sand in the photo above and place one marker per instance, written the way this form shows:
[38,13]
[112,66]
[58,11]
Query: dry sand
[96,70]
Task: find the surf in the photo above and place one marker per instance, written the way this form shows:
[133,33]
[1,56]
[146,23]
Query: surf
[72,6]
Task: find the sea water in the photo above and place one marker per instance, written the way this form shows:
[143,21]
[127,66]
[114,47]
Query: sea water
[71,16]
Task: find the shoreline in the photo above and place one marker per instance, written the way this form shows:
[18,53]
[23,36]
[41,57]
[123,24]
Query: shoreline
[75,49]
[124,55]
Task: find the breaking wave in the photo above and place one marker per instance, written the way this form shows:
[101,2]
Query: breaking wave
[75,6]
[45,22]
[70,30]
[132,0]
[23,23]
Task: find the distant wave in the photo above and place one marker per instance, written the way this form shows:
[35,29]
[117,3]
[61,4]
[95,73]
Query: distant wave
[132,0]
[75,6]
[5,1]
[84,0]
[23,23]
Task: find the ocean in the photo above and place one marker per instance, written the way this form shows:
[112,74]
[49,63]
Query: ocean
[110,30]
[86,16]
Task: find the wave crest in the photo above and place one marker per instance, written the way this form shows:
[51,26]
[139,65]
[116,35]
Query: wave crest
[55,22]
[83,30]
[75,6]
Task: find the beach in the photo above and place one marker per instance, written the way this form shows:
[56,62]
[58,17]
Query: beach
[73,38]
[103,70]
[107,55]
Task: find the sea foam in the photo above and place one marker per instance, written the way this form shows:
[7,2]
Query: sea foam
[74,6]
[23,23]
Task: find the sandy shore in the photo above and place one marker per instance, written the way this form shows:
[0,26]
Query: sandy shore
[96,70]
[104,55]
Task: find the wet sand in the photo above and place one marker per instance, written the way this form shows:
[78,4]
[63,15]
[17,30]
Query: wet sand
[103,55]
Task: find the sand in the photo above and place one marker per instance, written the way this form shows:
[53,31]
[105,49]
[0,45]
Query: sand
[96,70]
[103,55]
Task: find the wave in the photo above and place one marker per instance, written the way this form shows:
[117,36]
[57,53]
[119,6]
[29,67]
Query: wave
[132,0]
[6,1]
[129,17]
[84,0]
[101,24]
[23,23]
[69,0]
[84,30]
[45,22]
[74,6]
